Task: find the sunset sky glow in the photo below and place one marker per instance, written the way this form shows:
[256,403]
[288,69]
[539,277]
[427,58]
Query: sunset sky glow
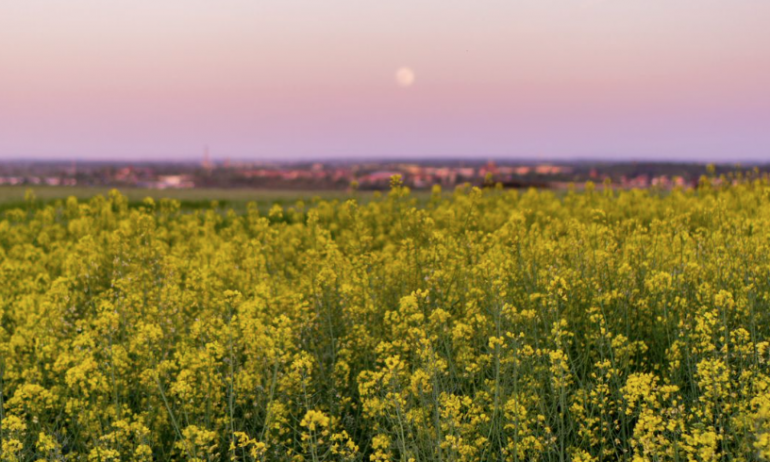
[291,79]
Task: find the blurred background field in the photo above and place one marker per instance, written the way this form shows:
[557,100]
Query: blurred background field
[190,199]
[236,199]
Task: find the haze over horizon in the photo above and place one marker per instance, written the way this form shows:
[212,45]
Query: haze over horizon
[294,79]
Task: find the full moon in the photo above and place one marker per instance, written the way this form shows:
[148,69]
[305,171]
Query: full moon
[405,77]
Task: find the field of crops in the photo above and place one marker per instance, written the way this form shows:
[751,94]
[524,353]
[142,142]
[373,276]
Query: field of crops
[189,198]
[494,325]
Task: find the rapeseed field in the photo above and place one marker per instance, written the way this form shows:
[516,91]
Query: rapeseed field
[481,325]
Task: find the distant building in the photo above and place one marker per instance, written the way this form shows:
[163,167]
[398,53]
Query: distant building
[173,182]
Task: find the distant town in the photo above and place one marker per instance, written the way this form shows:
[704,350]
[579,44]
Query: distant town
[364,175]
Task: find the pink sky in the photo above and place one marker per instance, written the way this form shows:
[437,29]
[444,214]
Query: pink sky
[144,79]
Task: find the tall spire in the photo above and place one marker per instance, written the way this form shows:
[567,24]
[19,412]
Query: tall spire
[207,165]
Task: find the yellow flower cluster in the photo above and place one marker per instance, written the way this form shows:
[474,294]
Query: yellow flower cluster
[592,325]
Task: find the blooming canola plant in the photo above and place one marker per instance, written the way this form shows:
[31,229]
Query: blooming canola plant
[593,325]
